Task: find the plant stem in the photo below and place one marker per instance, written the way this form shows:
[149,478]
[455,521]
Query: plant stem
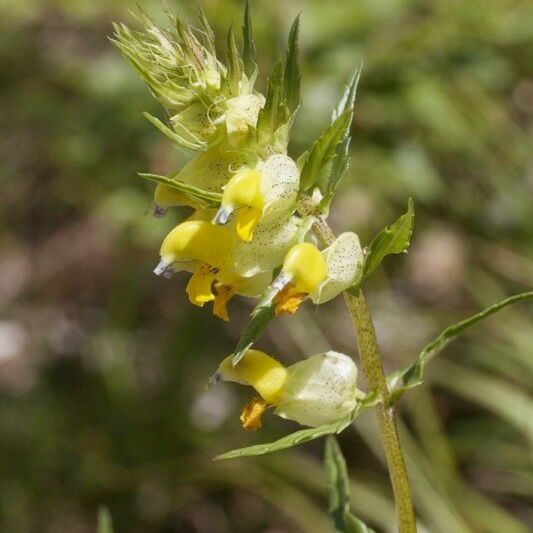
[371,362]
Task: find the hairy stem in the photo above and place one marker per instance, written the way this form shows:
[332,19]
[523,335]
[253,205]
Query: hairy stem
[371,362]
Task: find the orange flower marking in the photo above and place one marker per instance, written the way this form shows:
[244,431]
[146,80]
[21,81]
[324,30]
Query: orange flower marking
[223,294]
[252,413]
[289,299]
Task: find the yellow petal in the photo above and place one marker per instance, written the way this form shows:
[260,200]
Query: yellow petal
[307,267]
[247,220]
[224,293]
[199,286]
[258,369]
[289,299]
[252,413]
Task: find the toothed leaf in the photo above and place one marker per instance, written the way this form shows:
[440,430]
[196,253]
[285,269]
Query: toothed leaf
[324,150]
[394,239]
[412,376]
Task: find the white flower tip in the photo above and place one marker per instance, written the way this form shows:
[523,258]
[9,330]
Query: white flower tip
[222,216]
[161,267]
[214,379]
[281,281]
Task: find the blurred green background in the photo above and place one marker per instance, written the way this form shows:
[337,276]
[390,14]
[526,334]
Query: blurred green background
[103,365]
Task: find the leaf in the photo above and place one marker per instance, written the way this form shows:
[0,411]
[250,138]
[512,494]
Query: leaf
[275,113]
[341,162]
[304,435]
[248,47]
[105,523]
[394,239]
[209,35]
[292,76]
[339,491]
[324,150]
[234,63]
[261,318]
[299,437]
[347,99]
[412,376]
[173,136]
[212,198]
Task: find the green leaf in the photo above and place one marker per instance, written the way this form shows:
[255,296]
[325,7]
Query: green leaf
[248,47]
[304,435]
[261,318]
[208,34]
[212,198]
[394,239]
[347,100]
[299,437]
[341,162]
[234,63]
[173,136]
[105,523]
[412,376]
[339,491]
[292,76]
[323,150]
[275,113]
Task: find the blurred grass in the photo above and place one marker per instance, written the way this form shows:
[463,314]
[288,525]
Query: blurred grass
[102,366]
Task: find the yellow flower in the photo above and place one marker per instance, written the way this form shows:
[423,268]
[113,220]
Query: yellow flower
[205,250]
[319,275]
[260,193]
[315,391]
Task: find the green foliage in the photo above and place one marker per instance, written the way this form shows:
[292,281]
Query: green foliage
[292,76]
[304,435]
[189,143]
[341,162]
[294,439]
[282,97]
[274,113]
[234,63]
[105,522]
[211,198]
[208,34]
[248,46]
[339,491]
[262,315]
[411,377]
[394,239]
[324,150]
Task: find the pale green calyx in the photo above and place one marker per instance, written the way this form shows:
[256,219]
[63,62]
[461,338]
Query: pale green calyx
[319,390]
[344,260]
